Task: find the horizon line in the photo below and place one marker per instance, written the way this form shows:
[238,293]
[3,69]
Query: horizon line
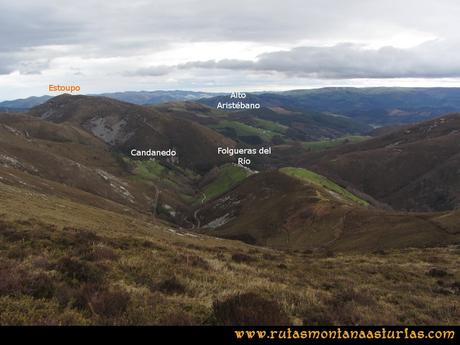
[234,90]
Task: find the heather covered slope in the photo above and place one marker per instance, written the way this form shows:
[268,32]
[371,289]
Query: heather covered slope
[124,126]
[64,262]
[279,210]
[415,168]
[64,159]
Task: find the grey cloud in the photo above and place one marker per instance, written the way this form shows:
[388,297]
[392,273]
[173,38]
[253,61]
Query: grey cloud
[434,59]
[154,71]
[6,64]
[23,61]
[120,26]
[29,24]
[221,64]
[100,28]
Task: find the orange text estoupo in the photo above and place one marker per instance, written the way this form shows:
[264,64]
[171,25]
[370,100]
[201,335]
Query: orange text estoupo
[63,88]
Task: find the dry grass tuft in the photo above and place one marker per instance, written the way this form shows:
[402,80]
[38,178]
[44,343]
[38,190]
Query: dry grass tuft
[249,309]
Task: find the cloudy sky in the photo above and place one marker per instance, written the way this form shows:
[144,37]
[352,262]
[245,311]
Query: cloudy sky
[215,45]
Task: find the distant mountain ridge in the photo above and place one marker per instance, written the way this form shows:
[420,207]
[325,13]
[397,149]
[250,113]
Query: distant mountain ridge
[375,106]
[378,106]
[160,96]
[136,97]
[23,103]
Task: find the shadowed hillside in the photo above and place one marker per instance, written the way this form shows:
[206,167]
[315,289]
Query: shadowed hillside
[415,168]
[299,214]
[125,126]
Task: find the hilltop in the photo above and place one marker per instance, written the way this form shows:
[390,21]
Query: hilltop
[125,126]
[300,210]
[135,97]
[413,168]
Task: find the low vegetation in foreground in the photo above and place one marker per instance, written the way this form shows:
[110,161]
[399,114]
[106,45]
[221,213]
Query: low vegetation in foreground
[82,265]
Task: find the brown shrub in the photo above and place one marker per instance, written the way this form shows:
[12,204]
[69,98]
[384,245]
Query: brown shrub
[171,286]
[82,236]
[15,281]
[41,262]
[220,256]
[18,252]
[10,234]
[176,319]
[437,272]
[68,296]
[151,245]
[96,299]
[80,296]
[271,257]
[192,260]
[317,314]
[456,286]
[39,285]
[10,281]
[350,294]
[109,303]
[143,278]
[79,270]
[100,252]
[77,239]
[242,258]
[249,309]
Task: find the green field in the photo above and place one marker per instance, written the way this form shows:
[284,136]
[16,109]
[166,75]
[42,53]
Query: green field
[329,143]
[314,178]
[229,176]
[271,126]
[149,170]
[242,130]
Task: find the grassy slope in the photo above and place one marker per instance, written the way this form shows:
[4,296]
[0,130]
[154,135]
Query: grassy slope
[242,129]
[175,185]
[271,125]
[82,265]
[326,144]
[148,169]
[229,176]
[312,177]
